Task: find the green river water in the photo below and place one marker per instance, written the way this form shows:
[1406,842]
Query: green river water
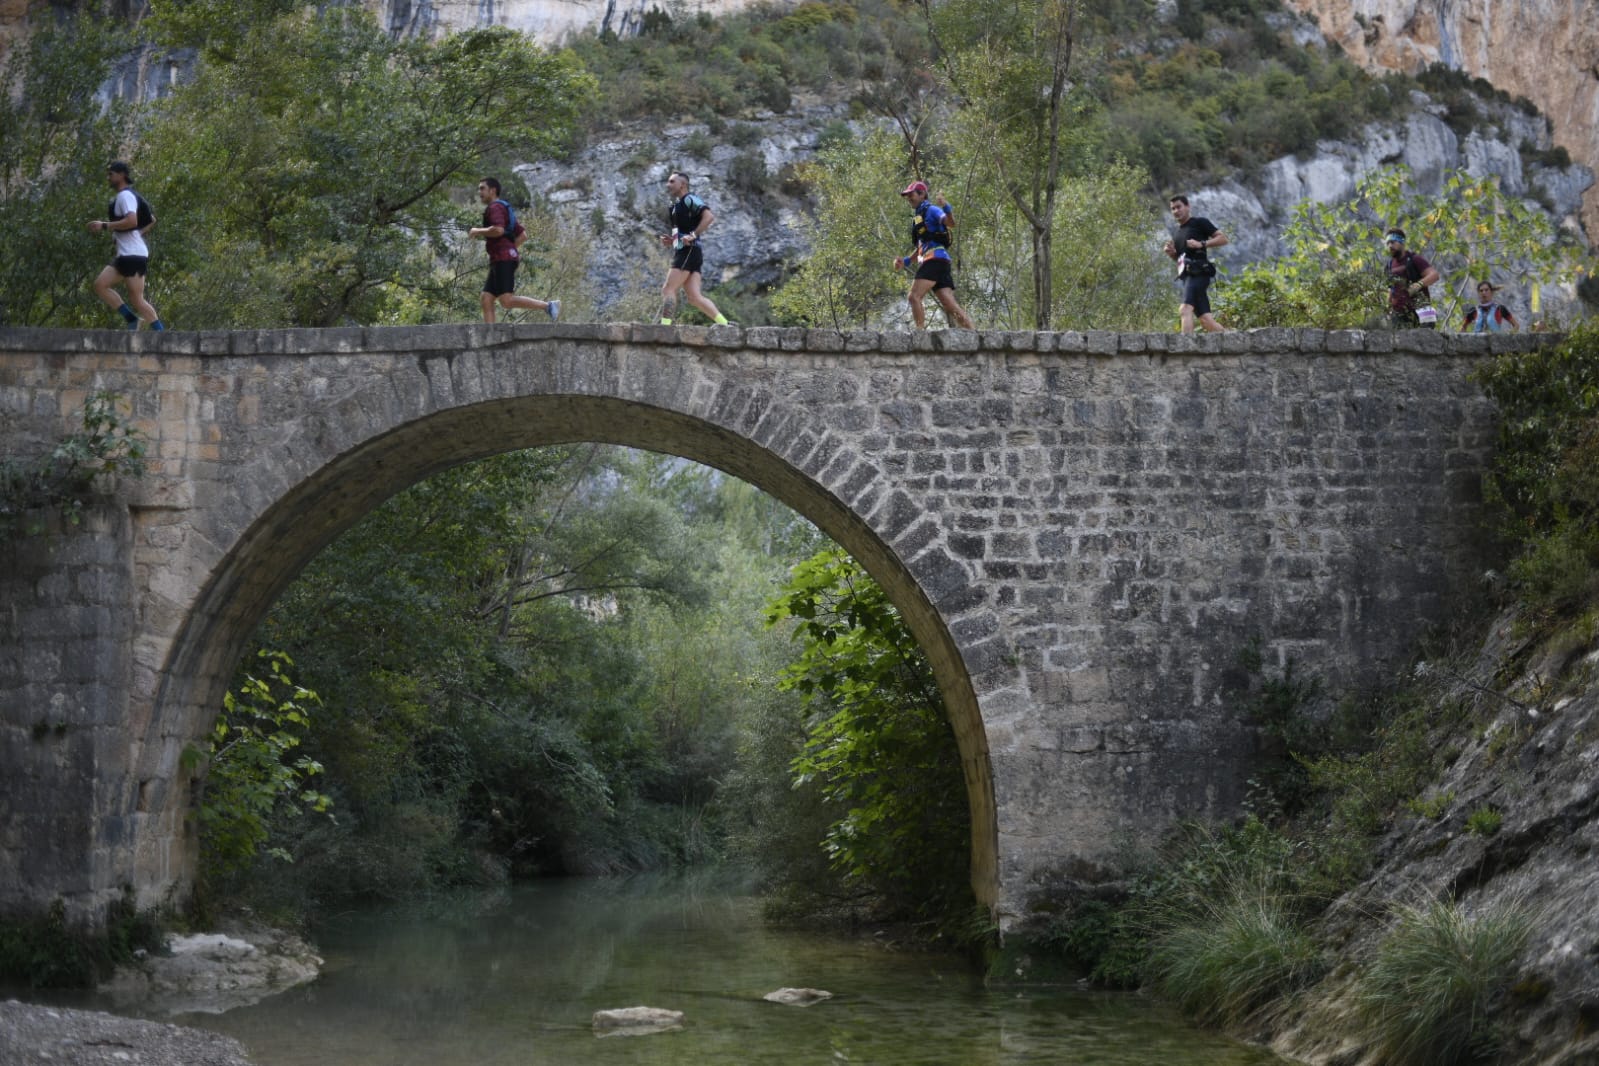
[513,978]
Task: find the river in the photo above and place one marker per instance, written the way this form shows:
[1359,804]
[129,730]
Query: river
[513,978]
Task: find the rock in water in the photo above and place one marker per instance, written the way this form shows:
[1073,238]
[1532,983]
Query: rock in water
[636,1020]
[797,997]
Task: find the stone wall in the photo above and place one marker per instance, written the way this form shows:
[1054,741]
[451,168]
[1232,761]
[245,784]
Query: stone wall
[1083,530]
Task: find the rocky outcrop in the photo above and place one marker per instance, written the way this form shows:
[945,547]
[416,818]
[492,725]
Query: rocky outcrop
[1254,214]
[548,20]
[615,189]
[1533,765]
[1545,50]
[31,1034]
[208,973]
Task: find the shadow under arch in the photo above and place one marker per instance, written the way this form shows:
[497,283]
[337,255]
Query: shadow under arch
[310,512]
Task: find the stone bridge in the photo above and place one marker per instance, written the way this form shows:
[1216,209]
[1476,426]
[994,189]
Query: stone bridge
[1082,530]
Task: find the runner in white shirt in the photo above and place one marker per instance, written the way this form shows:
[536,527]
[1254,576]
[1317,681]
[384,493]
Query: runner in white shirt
[132,260]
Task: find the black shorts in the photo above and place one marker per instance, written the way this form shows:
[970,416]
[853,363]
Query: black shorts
[1196,294]
[131,265]
[502,277]
[689,258]
[939,272]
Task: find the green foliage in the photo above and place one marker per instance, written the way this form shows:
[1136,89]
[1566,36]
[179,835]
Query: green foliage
[1548,399]
[743,63]
[1280,706]
[1484,822]
[108,445]
[1248,951]
[1368,784]
[345,144]
[1333,275]
[1432,807]
[846,281]
[878,747]
[46,951]
[1427,995]
[525,671]
[254,766]
[56,138]
[1543,483]
[1101,281]
[1235,95]
[1215,920]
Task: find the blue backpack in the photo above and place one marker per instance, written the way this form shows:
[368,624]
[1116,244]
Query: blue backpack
[510,215]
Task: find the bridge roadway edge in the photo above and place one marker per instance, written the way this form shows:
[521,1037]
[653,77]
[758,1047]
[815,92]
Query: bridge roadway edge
[1081,528]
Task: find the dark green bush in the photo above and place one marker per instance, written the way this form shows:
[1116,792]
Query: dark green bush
[1542,484]
[47,951]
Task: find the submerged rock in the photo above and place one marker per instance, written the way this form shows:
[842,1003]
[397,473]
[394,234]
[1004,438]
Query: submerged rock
[636,1021]
[797,997]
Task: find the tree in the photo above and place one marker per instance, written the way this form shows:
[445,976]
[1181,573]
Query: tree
[55,140]
[304,176]
[845,282]
[253,768]
[1334,274]
[1102,278]
[1012,63]
[878,745]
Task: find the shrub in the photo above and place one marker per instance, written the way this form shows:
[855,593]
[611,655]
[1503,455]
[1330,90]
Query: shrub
[1543,485]
[1484,822]
[747,172]
[1431,808]
[1216,923]
[1425,998]
[699,144]
[46,951]
[1242,954]
[109,443]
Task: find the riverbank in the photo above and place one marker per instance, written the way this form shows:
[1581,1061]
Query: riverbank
[32,1035]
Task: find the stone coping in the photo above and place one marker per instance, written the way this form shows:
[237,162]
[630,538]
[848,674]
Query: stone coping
[371,340]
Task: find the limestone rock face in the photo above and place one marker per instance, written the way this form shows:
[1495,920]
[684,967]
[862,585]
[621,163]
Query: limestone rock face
[548,20]
[1545,50]
[1254,215]
[616,190]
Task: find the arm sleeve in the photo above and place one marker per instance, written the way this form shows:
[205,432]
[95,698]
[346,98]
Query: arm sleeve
[125,203]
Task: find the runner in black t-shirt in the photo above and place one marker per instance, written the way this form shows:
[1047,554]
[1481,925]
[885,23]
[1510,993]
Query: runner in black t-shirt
[1194,238]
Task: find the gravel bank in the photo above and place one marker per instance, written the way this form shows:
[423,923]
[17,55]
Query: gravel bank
[33,1036]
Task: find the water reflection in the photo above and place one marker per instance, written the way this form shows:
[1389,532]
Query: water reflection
[513,978]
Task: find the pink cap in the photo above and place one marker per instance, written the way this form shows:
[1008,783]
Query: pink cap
[915,186]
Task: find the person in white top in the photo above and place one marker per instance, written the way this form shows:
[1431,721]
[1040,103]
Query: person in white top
[132,260]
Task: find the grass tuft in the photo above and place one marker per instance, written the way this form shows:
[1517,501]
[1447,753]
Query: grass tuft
[1425,999]
[1247,952]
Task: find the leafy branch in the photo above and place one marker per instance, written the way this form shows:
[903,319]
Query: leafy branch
[108,444]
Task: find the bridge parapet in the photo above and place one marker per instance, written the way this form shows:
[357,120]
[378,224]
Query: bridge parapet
[1083,529]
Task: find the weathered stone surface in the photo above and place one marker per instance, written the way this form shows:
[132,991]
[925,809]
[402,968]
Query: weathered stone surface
[1081,540]
[650,1019]
[210,973]
[1541,49]
[797,997]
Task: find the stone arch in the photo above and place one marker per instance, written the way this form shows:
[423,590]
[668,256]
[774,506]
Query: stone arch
[281,508]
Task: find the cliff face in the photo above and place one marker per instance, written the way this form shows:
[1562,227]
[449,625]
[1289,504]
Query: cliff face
[547,20]
[1545,50]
